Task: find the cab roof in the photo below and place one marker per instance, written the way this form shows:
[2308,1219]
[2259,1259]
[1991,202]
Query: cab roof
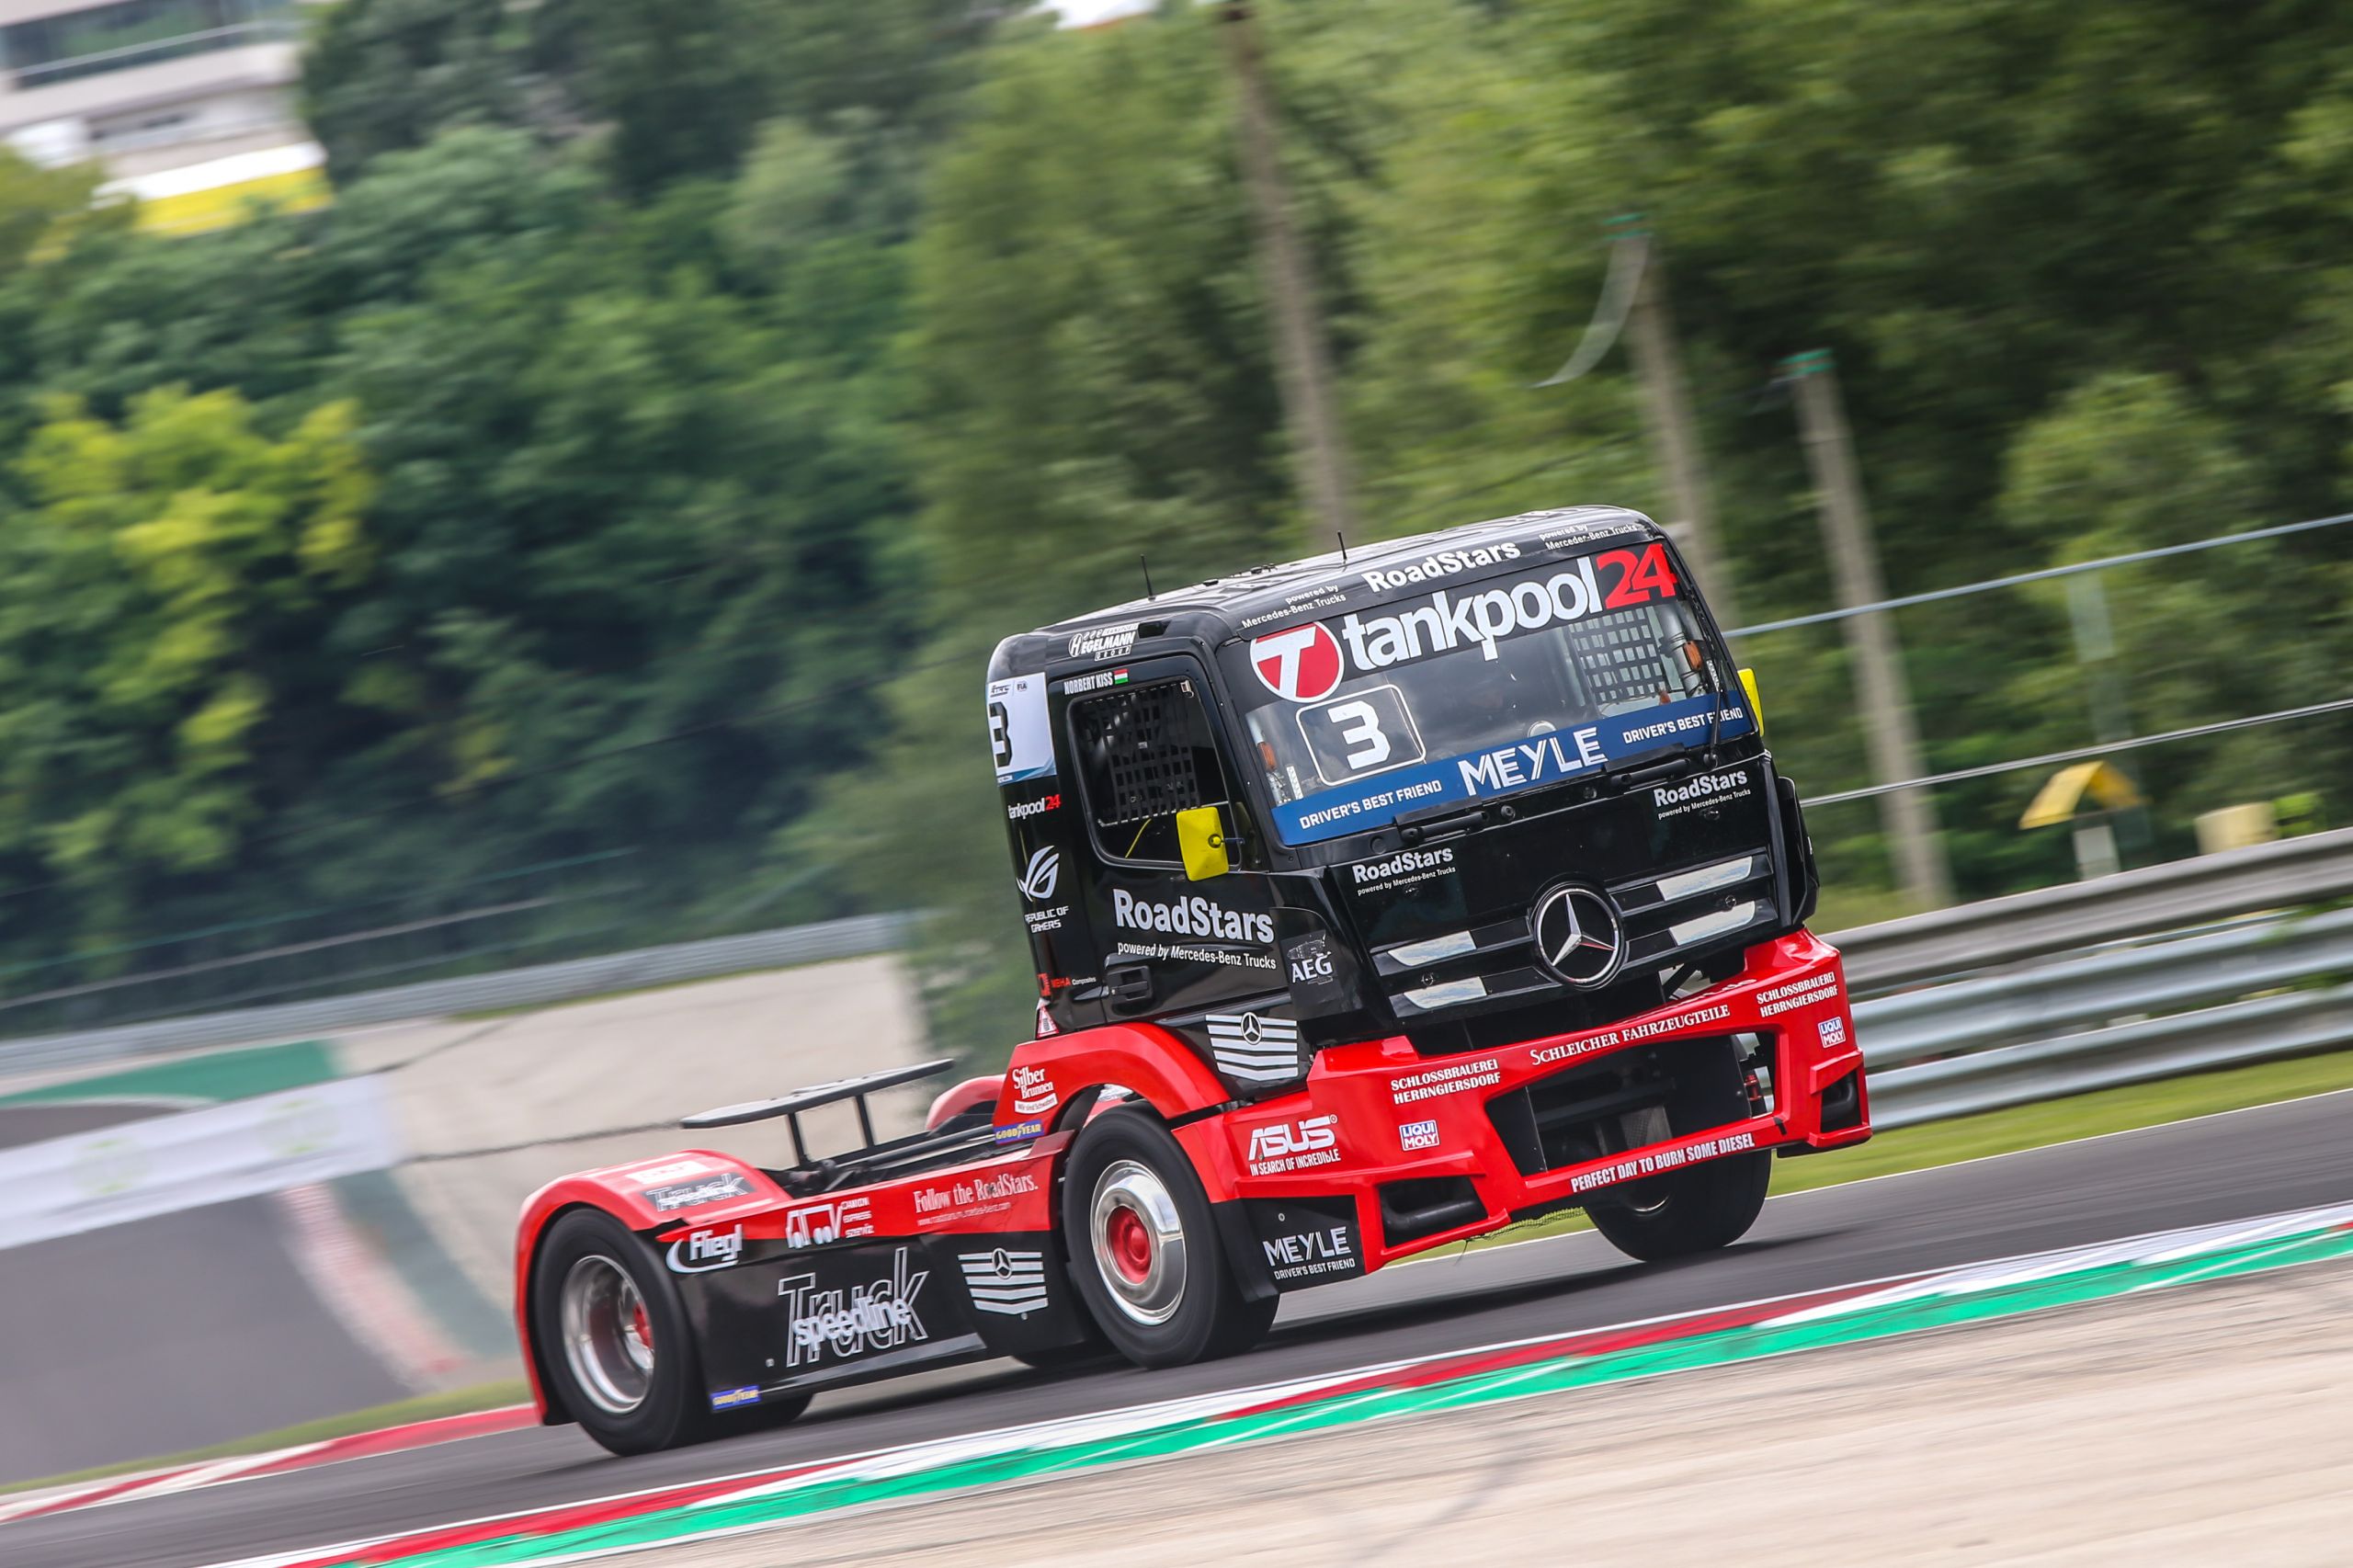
[1267,597]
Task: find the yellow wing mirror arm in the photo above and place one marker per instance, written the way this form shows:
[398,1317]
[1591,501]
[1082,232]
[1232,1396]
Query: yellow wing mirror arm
[1755,709]
[1200,836]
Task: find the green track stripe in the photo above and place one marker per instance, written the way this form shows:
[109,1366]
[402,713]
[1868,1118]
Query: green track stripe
[1866,1321]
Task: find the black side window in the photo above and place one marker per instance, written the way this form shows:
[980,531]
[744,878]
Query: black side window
[1146,753]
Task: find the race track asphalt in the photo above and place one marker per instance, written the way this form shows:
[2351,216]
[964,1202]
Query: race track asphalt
[161,1334]
[2250,1163]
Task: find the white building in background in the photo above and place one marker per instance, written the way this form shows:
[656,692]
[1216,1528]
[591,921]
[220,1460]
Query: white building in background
[183,102]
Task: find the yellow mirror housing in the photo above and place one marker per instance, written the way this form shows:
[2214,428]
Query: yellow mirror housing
[1201,836]
[1755,709]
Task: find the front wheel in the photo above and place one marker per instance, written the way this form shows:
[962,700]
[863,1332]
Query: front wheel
[1685,1211]
[1145,1252]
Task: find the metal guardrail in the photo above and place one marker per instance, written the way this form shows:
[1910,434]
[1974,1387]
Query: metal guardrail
[2125,1015]
[534,986]
[2154,898]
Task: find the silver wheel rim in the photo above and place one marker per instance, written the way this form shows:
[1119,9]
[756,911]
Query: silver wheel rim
[1129,1194]
[608,1342]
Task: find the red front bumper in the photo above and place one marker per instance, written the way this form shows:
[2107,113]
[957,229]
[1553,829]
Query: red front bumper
[1394,1115]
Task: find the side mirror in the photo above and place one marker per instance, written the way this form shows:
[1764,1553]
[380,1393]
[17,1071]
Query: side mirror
[1201,836]
[1755,709]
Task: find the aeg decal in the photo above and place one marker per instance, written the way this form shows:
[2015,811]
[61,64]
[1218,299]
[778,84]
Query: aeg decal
[822,1225]
[1300,664]
[707,1250]
[876,1316]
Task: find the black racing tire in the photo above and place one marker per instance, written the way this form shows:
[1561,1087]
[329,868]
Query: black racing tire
[1157,1282]
[1700,1210]
[633,1380]
[1705,1206]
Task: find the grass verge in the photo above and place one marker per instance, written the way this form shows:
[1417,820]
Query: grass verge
[2032,1126]
[425,1407]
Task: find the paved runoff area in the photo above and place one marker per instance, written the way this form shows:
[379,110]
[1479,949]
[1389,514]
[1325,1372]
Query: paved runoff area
[2171,1396]
[2203,1426]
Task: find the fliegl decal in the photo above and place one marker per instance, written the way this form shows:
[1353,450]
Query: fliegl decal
[1377,800]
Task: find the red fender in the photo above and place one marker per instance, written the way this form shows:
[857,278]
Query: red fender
[621,1191]
[1045,1073]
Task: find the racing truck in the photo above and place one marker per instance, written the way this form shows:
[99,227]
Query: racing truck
[1377,901]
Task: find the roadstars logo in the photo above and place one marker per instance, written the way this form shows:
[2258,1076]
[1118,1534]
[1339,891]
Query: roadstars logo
[1194,916]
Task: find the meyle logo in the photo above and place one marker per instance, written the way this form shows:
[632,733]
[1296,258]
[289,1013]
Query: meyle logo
[1318,1252]
[1700,789]
[1443,621]
[1037,878]
[1445,563]
[1404,863]
[707,1250]
[1194,916]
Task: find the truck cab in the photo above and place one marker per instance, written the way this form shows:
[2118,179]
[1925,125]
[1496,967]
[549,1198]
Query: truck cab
[1467,788]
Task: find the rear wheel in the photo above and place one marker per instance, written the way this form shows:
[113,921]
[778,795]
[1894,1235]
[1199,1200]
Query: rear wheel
[1145,1249]
[613,1338]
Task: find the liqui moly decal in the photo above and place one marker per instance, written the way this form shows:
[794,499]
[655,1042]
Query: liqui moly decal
[850,1322]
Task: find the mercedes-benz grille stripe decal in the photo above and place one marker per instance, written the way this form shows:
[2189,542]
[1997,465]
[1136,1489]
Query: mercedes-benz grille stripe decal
[1253,1047]
[1012,1284]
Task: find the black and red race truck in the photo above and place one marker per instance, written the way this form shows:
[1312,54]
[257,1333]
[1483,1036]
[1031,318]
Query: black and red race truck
[1377,901]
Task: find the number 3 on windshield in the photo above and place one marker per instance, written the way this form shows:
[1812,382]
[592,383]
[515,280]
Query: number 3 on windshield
[1363,733]
[1360,729]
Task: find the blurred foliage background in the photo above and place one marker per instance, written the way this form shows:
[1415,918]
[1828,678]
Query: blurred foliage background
[645,450]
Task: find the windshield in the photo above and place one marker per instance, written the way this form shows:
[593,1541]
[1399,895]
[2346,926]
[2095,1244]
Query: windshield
[1510,682]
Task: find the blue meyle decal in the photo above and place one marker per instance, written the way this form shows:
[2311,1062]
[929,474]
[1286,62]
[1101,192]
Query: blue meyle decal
[1379,798]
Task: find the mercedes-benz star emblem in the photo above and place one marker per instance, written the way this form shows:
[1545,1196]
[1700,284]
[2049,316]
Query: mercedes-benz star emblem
[1578,936]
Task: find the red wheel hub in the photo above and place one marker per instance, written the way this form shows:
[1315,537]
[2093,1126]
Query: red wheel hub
[641,1326]
[1131,1244]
